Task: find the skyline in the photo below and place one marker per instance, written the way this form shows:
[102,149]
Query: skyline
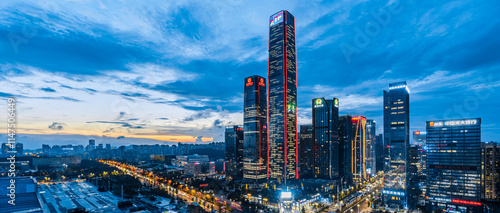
[187,91]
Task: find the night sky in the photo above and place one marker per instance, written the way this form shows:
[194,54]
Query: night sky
[173,71]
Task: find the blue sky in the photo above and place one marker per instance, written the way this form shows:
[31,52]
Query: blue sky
[170,71]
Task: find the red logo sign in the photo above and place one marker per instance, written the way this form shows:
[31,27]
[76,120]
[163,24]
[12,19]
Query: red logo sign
[262,83]
[249,82]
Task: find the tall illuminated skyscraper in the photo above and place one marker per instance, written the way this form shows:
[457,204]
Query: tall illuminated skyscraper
[358,145]
[234,152]
[255,130]
[371,127]
[325,120]
[454,165]
[397,141]
[346,136]
[282,72]
[306,152]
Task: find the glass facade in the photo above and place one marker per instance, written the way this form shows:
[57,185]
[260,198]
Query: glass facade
[379,152]
[282,87]
[345,151]
[371,127]
[358,145]
[255,130]
[325,119]
[454,165]
[306,154]
[396,139]
[234,152]
[491,171]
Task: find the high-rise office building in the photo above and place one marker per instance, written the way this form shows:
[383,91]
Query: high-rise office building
[282,87]
[358,144]
[234,152]
[379,152]
[91,144]
[371,127]
[491,171]
[12,149]
[454,165]
[255,130]
[396,139]
[6,148]
[306,153]
[108,146]
[325,120]
[415,177]
[345,151]
[19,149]
[45,149]
[419,138]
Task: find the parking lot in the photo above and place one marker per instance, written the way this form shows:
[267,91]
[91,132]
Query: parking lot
[60,197]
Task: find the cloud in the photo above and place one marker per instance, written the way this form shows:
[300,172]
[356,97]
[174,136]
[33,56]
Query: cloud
[47,89]
[166,60]
[218,123]
[57,126]
[120,123]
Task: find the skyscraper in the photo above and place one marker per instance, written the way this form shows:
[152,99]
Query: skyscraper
[234,152]
[419,138]
[45,149]
[379,152]
[454,165]
[491,171]
[358,145]
[282,87]
[325,119]
[255,130]
[371,127]
[91,144]
[19,149]
[396,139]
[415,177]
[306,154]
[345,151]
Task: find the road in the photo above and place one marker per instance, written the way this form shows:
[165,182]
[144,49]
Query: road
[182,192]
[358,207]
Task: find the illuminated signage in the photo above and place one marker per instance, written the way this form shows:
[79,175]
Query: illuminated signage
[453,123]
[286,195]
[387,192]
[249,82]
[417,133]
[358,118]
[204,185]
[262,83]
[466,202]
[278,18]
[336,102]
[318,103]
[290,108]
[473,168]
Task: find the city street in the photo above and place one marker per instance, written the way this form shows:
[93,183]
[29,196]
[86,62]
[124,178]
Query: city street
[206,201]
